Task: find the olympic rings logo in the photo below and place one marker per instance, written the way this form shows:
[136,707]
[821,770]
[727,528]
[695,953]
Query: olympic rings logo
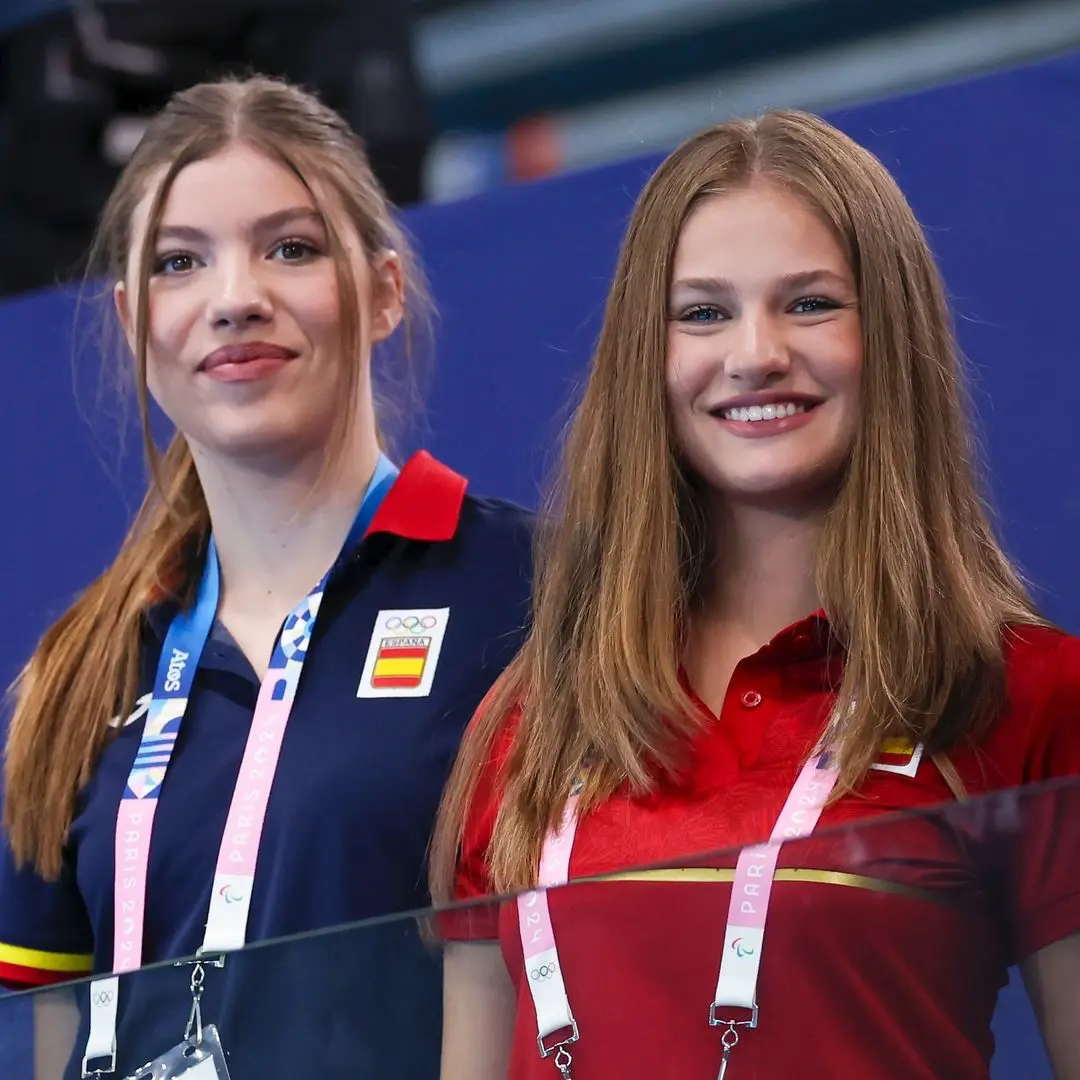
[544,971]
[102,997]
[411,622]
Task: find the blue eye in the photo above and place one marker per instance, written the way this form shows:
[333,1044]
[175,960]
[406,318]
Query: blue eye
[295,251]
[813,305]
[701,315]
[175,262]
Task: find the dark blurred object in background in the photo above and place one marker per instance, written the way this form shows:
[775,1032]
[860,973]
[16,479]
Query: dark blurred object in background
[77,81]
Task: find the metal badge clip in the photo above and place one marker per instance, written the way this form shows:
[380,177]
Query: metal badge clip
[730,1039]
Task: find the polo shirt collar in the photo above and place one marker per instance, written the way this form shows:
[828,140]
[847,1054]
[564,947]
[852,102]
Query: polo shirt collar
[424,503]
[809,637]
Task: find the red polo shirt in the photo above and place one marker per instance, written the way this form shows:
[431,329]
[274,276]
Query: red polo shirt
[886,945]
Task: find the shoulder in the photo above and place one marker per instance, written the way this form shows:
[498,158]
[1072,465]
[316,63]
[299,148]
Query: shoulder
[498,514]
[501,743]
[495,750]
[492,547]
[496,522]
[1038,735]
[1043,666]
[45,933]
[430,502]
[474,799]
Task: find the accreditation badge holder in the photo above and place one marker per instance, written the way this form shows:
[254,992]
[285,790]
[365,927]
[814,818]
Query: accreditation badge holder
[199,1055]
[194,1059]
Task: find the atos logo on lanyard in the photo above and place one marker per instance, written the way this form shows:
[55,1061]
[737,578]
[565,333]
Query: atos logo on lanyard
[175,672]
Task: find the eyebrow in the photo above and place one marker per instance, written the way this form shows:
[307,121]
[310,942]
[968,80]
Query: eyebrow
[714,286]
[269,223]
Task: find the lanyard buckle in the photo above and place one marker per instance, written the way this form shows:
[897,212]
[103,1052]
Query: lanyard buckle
[719,1021]
[547,1049]
[102,1070]
[563,1060]
[201,959]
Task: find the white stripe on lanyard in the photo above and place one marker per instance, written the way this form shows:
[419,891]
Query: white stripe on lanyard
[230,897]
[744,936]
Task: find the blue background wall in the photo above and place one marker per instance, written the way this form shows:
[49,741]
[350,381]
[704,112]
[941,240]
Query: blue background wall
[520,275]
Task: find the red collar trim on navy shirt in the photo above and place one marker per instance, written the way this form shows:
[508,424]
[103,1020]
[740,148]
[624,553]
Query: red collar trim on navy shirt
[424,502]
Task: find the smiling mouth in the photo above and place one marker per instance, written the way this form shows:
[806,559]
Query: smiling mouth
[756,413]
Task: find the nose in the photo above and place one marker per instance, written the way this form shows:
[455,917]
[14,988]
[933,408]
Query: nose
[758,352]
[239,298]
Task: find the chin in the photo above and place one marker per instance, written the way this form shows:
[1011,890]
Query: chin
[799,493]
[255,443]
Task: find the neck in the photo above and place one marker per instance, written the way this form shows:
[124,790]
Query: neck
[765,573]
[278,529]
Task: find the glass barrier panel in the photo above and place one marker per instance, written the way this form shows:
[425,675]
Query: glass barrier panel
[892,949]
[363,1000]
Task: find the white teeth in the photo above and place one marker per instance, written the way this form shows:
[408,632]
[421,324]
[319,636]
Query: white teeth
[763,412]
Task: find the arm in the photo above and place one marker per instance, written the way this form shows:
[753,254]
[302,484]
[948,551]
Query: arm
[1052,978]
[479,1006]
[56,1025]
[45,933]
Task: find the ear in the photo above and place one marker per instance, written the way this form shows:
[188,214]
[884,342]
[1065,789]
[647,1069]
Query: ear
[387,295]
[122,302]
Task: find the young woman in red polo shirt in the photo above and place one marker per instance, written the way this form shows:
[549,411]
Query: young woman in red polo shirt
[769,573]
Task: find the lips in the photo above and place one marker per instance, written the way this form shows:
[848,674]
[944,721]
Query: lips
[245,353]
[764,415]
[804,402]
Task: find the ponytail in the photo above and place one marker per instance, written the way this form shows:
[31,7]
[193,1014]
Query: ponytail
[85,670]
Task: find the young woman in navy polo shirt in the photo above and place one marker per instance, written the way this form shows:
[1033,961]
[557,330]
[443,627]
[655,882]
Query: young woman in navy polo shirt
[241,730]
[772,603]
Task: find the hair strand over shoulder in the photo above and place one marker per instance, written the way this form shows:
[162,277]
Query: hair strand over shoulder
[86,668]
[916,587]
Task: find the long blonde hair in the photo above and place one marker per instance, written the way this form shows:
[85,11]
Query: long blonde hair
[915,584]
[86,667]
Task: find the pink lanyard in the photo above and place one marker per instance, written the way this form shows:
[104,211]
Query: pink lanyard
[744,936]
[234,876]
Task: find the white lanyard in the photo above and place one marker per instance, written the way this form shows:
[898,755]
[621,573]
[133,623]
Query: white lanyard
[744,936]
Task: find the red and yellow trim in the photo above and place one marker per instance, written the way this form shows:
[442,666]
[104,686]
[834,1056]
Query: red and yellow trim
[35,967]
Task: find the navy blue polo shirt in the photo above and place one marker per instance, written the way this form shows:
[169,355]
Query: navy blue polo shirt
[413,629]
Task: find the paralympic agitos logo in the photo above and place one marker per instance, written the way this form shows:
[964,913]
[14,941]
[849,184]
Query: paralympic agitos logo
[741,948]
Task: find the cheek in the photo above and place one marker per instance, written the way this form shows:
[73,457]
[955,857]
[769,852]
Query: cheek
[840,360]
[841,372]
[172,317]
[684,382]
[172,314]
[162,374]
[847,381]
[688,370]
[317,309]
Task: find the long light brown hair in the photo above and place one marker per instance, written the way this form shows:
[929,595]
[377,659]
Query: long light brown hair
[914,583]
[86,667]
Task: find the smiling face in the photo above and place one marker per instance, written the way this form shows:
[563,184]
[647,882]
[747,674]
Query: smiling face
[244,348]
[764,350]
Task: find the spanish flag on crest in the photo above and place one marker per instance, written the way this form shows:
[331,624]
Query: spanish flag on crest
[899,755]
